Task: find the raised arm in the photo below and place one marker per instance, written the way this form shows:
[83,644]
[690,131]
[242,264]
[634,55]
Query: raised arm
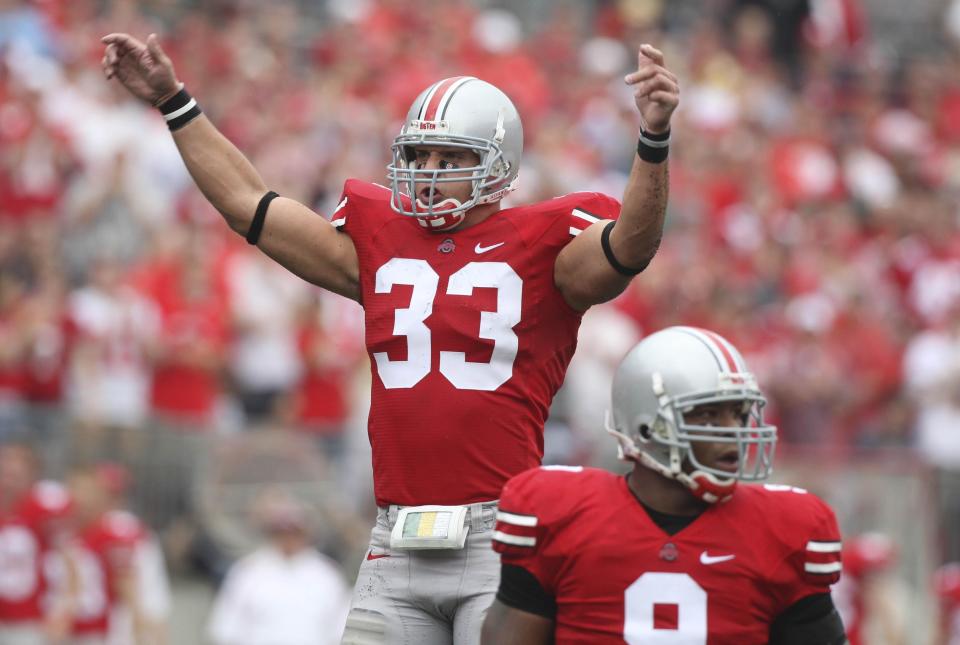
[293,235]
[584,273]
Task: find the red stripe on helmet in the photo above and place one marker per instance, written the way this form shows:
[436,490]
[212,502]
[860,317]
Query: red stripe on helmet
[727,355]
[437,98]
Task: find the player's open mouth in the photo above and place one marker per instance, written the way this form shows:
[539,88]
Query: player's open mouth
[728,461]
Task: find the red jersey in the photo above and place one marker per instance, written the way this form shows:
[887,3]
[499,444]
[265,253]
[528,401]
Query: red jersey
[104,551]
[469,340]
[27,534]
[618,577]
[180,388]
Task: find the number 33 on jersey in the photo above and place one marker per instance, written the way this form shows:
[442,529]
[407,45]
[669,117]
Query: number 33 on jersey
[468,337]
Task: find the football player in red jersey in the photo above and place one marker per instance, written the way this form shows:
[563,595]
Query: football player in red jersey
[108,551]
[675,551]
[471,311]
[32,526]
[946,586]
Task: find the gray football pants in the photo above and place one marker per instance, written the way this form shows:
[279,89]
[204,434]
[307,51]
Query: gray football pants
[430,597]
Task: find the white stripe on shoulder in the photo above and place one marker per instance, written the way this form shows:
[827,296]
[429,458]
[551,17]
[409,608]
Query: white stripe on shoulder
[337,223]
[815,546]
[514,540]
[566,469]
[575,231]
[827,567]
[516,520]
[585,216]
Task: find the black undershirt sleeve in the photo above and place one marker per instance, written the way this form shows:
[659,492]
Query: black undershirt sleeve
[812,620]
[521,590]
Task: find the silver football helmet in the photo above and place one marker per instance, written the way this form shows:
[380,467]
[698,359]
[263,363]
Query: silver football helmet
[664,377]
[459,112]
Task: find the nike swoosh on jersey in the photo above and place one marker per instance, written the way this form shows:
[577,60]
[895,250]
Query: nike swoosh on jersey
[376,556]
[483,249]
[705,558]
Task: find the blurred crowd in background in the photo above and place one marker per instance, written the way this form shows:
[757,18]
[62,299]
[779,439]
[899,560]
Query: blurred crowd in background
[813,220]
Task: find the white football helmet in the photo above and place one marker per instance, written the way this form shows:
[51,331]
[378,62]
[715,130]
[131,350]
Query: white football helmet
[459,112]
[665,376]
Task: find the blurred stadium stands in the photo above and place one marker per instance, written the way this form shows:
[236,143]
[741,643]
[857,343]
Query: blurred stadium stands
[813,220]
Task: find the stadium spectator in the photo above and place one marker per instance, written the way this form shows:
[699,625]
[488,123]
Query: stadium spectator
[12,350]
[110,368]
[188,357]
[48,345]
[264,300]
[946,587]
[687,561]
[456,157]
[870,597]
[285,592]
[321,403]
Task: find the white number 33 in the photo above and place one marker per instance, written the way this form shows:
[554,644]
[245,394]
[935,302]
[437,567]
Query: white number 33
[494,325]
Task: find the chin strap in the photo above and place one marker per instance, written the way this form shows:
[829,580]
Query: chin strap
[703,485]
[439,223]
[708,487]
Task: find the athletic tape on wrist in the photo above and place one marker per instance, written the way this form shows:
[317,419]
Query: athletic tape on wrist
[180,109]
[653,148]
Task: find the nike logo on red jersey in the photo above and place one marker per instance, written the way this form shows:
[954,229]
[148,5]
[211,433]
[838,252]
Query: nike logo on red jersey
[708,559]
[483,249]
[376,556]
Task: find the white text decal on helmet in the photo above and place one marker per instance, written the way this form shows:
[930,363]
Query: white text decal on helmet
[429,126]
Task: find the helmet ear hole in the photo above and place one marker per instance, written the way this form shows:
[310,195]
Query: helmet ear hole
[645,431]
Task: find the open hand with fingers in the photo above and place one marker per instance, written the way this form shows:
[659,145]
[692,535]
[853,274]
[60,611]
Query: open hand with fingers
[655,90]
[142,68]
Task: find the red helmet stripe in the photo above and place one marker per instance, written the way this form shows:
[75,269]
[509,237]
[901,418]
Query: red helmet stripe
[436,97]
[717,347]
[724,350]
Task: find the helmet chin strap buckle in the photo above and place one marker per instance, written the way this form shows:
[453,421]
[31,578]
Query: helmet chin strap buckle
[702,485]
[448,204]
[443,221]
[708,487]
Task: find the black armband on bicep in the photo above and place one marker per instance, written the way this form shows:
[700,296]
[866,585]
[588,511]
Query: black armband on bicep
[521,590]
[259,216]
[812,620]
[612,259]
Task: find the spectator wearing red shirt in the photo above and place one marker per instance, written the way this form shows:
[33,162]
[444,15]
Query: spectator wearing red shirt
[12,348]
[190,352]
[48,341]
[321,403]
[188,358]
